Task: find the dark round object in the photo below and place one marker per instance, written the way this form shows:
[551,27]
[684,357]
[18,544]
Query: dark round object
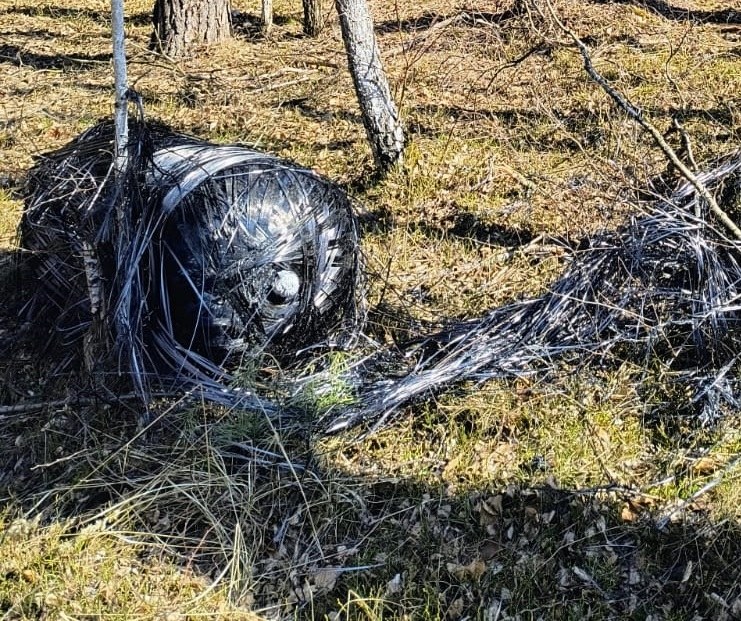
[204,254]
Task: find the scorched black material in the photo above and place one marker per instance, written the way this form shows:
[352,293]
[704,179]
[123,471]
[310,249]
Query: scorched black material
[663,291]
[228,252]
[222,253]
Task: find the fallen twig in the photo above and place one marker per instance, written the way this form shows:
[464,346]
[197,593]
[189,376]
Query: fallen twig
[23,408]
[686,143]
[662,523]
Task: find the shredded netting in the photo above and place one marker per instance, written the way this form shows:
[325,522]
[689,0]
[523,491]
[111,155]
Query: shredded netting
[224,254]
[664,289]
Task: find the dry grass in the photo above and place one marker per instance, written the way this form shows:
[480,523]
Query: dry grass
[527,499]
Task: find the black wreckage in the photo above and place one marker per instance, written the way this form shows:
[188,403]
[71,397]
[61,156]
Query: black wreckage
[225,255]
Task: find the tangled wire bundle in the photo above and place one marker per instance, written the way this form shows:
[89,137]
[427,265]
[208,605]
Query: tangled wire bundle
[226,252]
[663,289]
[222,252]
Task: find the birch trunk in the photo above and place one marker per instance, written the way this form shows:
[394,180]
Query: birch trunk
[380,116]
[267,16]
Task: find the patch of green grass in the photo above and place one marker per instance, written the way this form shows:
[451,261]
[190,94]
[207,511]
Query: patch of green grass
[330,389]
[61,571]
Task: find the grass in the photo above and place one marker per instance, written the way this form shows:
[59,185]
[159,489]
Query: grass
[570,497]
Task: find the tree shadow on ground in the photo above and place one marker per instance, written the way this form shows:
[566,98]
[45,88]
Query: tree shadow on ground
[307,108]
[428,20]
[462,225]
[666,10]
[28,367]
[249,26]
[317,535]
[574,119]
[14,55]
[57,12]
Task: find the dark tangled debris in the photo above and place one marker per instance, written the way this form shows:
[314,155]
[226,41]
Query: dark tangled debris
[664,289]
[231,254]
[227,253]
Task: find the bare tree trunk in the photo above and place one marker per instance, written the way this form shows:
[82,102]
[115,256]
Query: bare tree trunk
[312,17]
[121,158]
[267,16]
[182,25]
[95,341]
[121,87]
[380,116]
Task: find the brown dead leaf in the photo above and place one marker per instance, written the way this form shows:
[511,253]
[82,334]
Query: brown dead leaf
[736,608]
[565,578]
[395,585]
[325,578]
[489,550]
[705,465]
[343,552]
[687,574]
[634,577]
[490,512]
[475,569]
[456,608]
[29,575]
[627,514]
[451,467]
[582,575]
